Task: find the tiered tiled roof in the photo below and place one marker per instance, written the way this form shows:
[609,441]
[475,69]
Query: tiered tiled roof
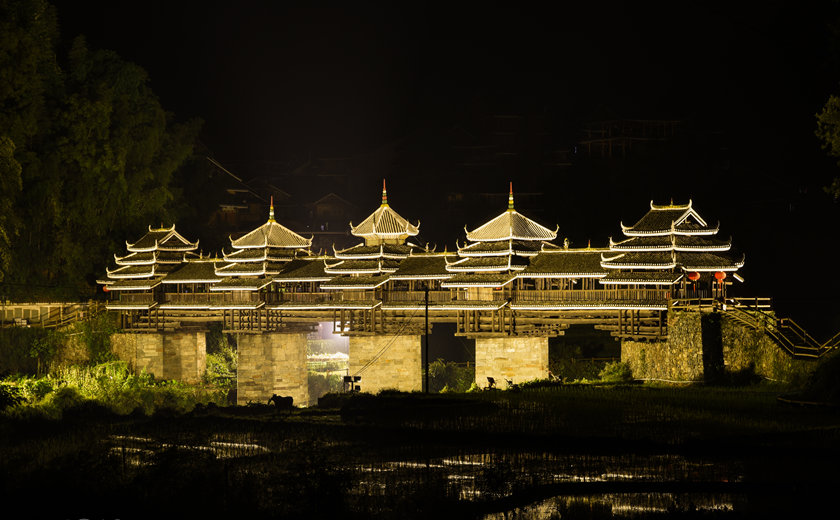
[384,225]
[159,252]
[665,244]
[368,265]
[259,255]
[498,250]
[566,263]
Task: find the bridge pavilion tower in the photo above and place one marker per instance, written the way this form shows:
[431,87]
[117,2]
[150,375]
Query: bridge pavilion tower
[159,267]
[384,351]
[272,353]
[669,257]
[485,278]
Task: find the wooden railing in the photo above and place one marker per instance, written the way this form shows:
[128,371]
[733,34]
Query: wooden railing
[132,298]
[420,296]
[320,297]
[590,295]
[785,332]
[327,297]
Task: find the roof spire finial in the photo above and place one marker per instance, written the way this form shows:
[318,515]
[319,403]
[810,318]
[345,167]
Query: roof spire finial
[384,194]
[510,197]
[672,201]
[271,210]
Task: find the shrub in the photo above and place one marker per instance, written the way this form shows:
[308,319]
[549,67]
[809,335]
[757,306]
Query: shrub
[449,374]
[616,372]
[9,396]
[321,384]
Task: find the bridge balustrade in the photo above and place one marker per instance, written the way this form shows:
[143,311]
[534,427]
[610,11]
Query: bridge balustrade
[589,295]
[420,296]
[319,297]
[136,298]
[194,298]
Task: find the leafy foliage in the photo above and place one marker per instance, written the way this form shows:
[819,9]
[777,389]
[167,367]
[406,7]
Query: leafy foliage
[450,376]
[111,385]
[616,372]
[828,132]
[9,396]
[87,153]
[222,360]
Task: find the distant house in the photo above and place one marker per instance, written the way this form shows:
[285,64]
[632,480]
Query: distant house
[327,218]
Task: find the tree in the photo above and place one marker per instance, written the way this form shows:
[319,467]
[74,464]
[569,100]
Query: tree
[28,31]
[828,131]
[87,144]
[9,186]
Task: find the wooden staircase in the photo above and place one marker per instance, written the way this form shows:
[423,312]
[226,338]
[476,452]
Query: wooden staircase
[785,332]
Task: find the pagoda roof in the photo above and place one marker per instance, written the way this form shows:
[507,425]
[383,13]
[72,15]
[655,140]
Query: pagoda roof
[640,260]
[376,265]
[689,261]
[361,251]
[143,258]
[511,225]
[201,271]
[385,223]
[271,234]
[423,267]
[642,278]
[566,263]
[671,242]
[501,247]
[495,280]
[143,284]
[161,239]
[241,269]
[708,262]
[132,271]
[670,219]
[240,284]
[303,271]
[488,263]
[355,282]
[260,255]
[155,257]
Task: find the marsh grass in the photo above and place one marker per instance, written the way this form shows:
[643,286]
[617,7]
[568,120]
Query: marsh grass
[111,385]
[410,455]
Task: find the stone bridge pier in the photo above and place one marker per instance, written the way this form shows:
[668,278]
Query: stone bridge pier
[387,362]
[181,356]
[272,363]
[518,359]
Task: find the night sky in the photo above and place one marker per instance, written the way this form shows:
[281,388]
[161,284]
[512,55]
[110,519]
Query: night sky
[276,82]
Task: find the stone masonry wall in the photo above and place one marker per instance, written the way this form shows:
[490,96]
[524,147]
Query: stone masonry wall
[516,358]
[181,356]
[184,356]
[747,349]
[272,363]
[680,358]
[400,366]
[699,343]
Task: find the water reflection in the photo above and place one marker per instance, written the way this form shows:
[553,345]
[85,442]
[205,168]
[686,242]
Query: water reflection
[623,505]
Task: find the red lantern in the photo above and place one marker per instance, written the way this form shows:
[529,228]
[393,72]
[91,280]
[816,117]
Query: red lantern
[105,288]
[694,276]
[720,275]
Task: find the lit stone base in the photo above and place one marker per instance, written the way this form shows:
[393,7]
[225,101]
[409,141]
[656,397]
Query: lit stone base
[272,363]
[399,367]
[518,359]
[180,356]
[707,346]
